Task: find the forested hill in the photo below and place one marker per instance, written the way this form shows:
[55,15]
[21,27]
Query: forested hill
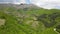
[28,19]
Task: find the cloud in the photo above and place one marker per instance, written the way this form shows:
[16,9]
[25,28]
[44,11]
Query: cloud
[27,1]
[7,1]
[10,1]
[48,4]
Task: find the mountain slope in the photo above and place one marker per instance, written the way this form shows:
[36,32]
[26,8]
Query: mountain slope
[28,19]
[19,5]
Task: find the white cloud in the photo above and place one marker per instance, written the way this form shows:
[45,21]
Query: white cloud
[22,1]
[47,3]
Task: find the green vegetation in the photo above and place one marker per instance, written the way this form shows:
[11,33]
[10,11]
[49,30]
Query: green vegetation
[29,21]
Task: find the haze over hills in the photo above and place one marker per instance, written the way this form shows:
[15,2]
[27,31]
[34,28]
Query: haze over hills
[46,4]
[19,6]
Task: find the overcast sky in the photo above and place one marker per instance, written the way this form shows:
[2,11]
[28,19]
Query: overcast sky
[47,3]
[41,3]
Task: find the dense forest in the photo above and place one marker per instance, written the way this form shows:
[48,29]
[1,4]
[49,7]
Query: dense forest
[26,20]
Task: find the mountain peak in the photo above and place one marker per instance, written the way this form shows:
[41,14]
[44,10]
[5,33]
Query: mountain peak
[19,6]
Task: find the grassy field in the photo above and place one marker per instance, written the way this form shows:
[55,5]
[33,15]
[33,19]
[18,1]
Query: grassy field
[29,21]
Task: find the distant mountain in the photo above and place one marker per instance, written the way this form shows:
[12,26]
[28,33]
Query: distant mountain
[19,6]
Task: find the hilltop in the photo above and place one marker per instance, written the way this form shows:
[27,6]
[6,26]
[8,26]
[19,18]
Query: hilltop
[19,6]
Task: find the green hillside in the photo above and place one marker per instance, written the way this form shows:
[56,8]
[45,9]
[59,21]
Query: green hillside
[29,21]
